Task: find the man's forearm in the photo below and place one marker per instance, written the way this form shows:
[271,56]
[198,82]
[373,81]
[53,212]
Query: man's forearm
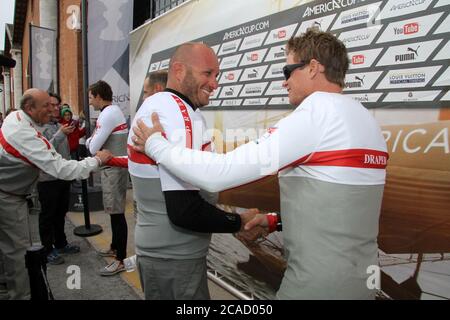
[187,209]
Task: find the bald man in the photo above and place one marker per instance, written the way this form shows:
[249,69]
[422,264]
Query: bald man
[24,152]
[174,223]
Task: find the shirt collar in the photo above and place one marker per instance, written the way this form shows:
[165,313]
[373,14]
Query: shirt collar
[182,96]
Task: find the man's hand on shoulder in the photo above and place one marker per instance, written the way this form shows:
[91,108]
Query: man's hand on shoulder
[142,132]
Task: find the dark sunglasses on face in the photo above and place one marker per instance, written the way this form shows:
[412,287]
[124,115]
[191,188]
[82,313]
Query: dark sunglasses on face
[289,68]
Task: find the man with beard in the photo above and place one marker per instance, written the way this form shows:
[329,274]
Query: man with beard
[174,222]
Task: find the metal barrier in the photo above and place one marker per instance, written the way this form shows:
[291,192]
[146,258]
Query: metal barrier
[217,278]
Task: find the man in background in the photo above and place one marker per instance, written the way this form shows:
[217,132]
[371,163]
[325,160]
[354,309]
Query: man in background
[24,152]
[111,132]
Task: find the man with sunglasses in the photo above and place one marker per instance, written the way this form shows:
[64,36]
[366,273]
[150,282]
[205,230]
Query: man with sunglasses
[330,157]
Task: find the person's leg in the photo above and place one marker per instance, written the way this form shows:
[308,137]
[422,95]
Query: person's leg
[170,279]
[49,206]
[60,215]
[113,245]
[121,234]
[14,241]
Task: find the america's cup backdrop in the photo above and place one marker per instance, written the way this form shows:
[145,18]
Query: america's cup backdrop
[399,53]
[42,45]
[109,25]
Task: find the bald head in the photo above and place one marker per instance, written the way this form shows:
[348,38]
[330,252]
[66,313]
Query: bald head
[193,70]
[36,103]
[189,52]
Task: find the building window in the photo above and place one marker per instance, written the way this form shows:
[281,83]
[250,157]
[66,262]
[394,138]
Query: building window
[147,10]
[158,7]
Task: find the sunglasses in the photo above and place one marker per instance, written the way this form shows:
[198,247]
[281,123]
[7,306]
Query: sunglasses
[289,68]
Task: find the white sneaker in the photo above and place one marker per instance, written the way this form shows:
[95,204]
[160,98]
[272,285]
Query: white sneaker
[115,267]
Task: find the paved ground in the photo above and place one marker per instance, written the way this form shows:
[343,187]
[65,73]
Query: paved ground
[125,286]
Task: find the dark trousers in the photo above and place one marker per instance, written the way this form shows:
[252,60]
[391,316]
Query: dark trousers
[54,198]
[119,235]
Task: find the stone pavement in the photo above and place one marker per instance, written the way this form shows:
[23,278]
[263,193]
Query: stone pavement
[125,286]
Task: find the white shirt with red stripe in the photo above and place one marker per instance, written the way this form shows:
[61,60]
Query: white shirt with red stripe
[329,137]
[331,158]
[24,151]
[183,126]
[111,121]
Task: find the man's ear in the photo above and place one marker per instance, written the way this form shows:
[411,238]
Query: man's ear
[315,67]
[179,70]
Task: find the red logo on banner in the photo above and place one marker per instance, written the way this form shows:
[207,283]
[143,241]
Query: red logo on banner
[272,130]
[358,59]
[281,34]
[411,28]
[230,76]
[254,57]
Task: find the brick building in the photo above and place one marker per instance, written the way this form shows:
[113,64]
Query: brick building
[63,16]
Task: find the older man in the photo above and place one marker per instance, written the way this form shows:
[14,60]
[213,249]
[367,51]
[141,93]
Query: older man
[24,152]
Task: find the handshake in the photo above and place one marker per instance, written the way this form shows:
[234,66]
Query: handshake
[255,225]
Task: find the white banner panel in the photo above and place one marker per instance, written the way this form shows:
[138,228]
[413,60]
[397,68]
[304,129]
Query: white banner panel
[110,22]
[42,47]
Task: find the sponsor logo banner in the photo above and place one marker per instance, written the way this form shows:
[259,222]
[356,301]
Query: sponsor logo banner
[363,59]
[230,76]
[232,103]
[379,41]
[253,57]
[214,103]
[409,53]
[410,28]
[412,96]
[256,102]
[329,6]
[281,34]
[359,37]
[230,91]
[254,89]
[361,81]
[408,78]
[365,97]
[255,73]
[276,71]
[276,53]
[254,41]
[397,8]
[279,101]
[229,47]
[230,62]
[246,30]
[154,66]
[164,64]
[276,88]
[356,16]
[323,23]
